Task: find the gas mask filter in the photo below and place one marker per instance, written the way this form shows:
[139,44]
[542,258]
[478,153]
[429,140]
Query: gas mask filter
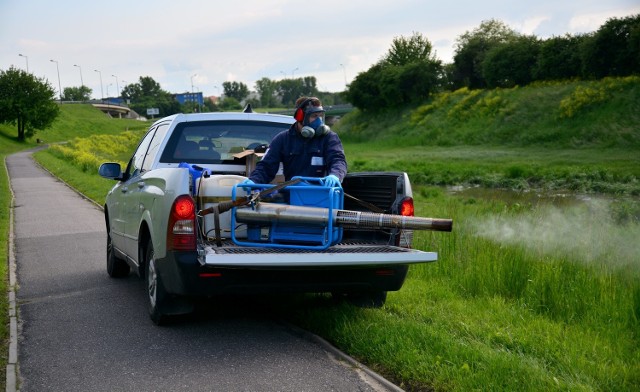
[315,128]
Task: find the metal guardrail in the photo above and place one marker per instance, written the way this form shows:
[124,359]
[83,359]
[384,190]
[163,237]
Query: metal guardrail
[331,110]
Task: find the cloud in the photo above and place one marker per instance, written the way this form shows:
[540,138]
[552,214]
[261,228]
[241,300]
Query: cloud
[582,23]
[246,41]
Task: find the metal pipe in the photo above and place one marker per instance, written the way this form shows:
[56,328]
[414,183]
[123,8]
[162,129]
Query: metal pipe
[266,213]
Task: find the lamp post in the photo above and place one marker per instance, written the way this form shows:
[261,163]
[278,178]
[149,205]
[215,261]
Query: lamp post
[26,58]
[192,76]
[345,75]
[59,85]
[196,101]
[117,87]
[283,74]
[293,72]
[80,68]
[101,91]
[193,98]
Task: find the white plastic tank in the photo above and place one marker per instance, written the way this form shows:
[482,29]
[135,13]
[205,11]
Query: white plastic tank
[212,190]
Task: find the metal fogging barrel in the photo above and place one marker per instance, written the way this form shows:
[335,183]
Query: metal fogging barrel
[267,213]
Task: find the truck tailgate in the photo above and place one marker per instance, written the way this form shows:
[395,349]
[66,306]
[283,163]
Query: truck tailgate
[334,256]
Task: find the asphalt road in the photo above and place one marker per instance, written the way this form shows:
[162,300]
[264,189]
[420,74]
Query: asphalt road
[80,330]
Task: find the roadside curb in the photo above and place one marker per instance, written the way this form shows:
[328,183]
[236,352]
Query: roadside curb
[341,356]
[12,361]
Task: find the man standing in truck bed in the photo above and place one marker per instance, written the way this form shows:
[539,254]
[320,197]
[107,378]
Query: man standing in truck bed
[307,149]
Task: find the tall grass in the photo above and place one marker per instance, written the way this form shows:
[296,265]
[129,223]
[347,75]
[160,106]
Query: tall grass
[89,153]
[570,264]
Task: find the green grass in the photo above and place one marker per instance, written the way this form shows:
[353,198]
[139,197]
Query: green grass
[600,170]
[524,295]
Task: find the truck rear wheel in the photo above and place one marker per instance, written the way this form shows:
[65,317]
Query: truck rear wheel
[362,299]
[155,290]
[116,267]
[368,299]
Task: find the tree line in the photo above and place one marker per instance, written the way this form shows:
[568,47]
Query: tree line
[496,56]
[491,56]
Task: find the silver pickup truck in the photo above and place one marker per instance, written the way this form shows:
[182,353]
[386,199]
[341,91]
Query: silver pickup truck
[187,163]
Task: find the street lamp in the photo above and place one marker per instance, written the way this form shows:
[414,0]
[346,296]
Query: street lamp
[80,68]
[26,58]
[110,84]
[59,85]
[293,72]
[345,75]
[192,76]
[117,87]
[193,98]
[101,92]
[283,74]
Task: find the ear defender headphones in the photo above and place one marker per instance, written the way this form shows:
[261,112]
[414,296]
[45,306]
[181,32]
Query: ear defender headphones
[299,113]
[303,110]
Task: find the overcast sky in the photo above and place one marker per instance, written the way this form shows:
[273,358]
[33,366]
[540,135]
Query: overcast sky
[185,44]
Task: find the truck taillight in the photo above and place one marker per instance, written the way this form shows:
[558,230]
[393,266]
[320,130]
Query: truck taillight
[181,231]
[406,207]
[404,239]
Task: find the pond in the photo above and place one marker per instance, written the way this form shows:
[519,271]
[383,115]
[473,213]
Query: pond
[534,197]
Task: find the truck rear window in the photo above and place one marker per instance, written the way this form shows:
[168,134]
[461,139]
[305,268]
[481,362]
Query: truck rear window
[217,141]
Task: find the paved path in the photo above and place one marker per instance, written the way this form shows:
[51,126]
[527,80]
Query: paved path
[83,331]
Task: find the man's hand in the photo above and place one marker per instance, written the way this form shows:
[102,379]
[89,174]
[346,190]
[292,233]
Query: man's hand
[331,181]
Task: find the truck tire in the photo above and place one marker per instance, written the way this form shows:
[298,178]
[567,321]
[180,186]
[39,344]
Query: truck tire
[116,268]
[368,299]
[155,290]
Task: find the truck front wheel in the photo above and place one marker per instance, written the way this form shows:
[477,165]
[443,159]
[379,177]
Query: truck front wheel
[116,268]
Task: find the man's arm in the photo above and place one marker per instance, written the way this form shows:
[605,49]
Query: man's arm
[334,155]
[267,168]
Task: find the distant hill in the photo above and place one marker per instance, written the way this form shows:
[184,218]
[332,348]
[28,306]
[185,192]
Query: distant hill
[76,120]
[603,113]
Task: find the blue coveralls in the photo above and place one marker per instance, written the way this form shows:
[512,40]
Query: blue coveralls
[300,156]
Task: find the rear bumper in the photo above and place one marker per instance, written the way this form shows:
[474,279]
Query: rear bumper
[251,271]
[355,255]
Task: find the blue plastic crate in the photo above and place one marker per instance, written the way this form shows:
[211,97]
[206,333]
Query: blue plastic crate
[311,192]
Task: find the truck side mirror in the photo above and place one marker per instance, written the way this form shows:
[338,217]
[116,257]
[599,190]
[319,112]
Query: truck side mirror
[111,170]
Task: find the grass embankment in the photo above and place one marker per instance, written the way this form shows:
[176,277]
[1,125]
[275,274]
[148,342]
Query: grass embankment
[581,136]
[524,296]
[74,121]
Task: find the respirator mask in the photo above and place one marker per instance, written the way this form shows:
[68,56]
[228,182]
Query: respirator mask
[317,127]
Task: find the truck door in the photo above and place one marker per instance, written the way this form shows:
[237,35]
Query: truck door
[130,193]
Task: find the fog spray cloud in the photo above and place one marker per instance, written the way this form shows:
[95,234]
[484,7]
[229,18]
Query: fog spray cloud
[586,233]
